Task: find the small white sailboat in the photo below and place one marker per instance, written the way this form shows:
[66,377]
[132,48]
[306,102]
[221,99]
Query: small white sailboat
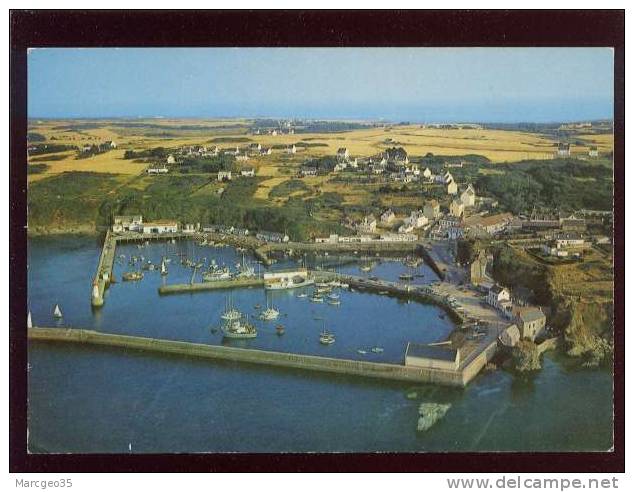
[163,267]
[29,323]
[57,312]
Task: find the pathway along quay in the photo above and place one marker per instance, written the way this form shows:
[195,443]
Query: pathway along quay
[459,377]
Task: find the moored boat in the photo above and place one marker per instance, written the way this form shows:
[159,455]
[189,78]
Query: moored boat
[326,338]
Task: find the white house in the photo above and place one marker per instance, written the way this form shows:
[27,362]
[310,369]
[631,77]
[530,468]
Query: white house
[405,228]
[456,208]
[468,196]
[452,188]
[417,219]
[497,295]
[398,238]
[157,170]
[127,223]
[427,173]
[593,152]
[266,151]
[563,149]
[171,159]
[160,227]
[388,216]
[248,172]
[343,154]
[224,175]
[242,157]
[291,149]
[367,224]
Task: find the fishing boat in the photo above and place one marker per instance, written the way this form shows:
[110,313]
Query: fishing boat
[57,312]
[279,329]
[333,295]
[295,282]
[333,302]
[316,298]
[270,313]
[239,329]
[230,313]
[216,274]
[132,276]
[383,292]
[377,350]
[365,268]
[326,338]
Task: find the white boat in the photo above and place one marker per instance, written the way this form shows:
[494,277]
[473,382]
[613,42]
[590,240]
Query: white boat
[29,323]
[316,298]
[270,313]
[289,284]
[326,338]
[57,312]
[362,352]
[239,329]
[377,350]
[333,295]
[230,313]
[303,295]
[216,274]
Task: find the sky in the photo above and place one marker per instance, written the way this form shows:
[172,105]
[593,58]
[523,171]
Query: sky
[415,84]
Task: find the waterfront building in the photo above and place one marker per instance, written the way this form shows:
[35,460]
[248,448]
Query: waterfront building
[247,172]
[367,224]
[160,227]
[510,336]
[272,237]
[498,294]
[432,356]
[398,238]
[127,223]
[531,321]
[417,219]
[491,224]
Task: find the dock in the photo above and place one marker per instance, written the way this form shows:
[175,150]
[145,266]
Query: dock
[206,286]
[103,277]
[459,377]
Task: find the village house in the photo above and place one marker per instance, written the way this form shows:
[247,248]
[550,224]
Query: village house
[431,209]
[307,171]
[456,208]
[247,172]
[569,240]
[454,164]
[160,227]
[157,170]
[266,151]
[491,224]
[255,147]
[468,196]
[530,320]
[452,188]
[242,157]
[498,294]
[397,155]
[398,238]
[340,166]
[417,219]
[171,159]
[388,216]
[343,154]
[563,149]
[190,228]
[127,223]
[291,149]
[413,169]
[367,224]
[405,228]
[224,175]
[427,174]
[272,237]
[594,151]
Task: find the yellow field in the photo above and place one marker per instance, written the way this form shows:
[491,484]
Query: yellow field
[497,145]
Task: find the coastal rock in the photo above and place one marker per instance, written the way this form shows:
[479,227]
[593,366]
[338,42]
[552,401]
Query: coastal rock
[430,413]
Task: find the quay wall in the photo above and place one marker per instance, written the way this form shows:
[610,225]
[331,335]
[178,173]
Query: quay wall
[205,286]
[276,359]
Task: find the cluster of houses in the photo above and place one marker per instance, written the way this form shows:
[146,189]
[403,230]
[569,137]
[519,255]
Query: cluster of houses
[564,150]
[98,148]
[122,224]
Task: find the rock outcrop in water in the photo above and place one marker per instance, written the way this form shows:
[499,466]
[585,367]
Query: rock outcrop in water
[430,413]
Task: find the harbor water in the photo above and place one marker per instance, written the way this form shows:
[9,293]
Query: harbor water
[99,400]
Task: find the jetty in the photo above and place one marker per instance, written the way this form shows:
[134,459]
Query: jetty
[458,377]
[237,283]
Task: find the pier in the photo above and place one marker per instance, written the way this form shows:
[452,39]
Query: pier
[206,286]
[459,377]
[103,277]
